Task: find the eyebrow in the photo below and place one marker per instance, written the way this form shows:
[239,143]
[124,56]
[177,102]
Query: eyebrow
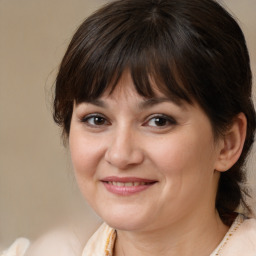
[97,102]
[147,103]
[157,100]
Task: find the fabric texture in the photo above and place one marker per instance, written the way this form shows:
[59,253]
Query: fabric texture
[240,240]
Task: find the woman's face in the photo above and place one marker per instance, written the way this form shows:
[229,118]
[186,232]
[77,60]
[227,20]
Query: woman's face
[143,163]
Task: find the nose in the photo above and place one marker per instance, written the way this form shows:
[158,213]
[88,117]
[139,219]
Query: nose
[124,150]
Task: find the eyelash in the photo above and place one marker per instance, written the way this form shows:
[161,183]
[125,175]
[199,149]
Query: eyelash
[160,117]
[87,118]
[168,121]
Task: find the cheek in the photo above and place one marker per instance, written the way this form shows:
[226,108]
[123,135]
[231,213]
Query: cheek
[186,167]
[188,154]
[85,155]
[170,154]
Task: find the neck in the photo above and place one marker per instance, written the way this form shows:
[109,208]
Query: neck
[180,238]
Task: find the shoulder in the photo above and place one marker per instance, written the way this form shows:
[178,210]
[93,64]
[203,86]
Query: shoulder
[56,242]
[247,233]
[66,239]
[18,248]
[243,240]
[59,241]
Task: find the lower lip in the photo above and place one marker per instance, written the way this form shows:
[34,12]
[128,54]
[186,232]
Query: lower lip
[126,191]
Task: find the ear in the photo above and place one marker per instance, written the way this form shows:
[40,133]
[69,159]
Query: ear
[232,143]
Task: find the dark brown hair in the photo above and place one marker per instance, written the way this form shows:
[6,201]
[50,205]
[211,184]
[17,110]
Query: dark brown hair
[192,49]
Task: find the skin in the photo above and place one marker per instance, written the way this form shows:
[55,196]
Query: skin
[126,135]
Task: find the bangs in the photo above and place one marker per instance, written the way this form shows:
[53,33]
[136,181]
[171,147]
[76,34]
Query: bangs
[147,51]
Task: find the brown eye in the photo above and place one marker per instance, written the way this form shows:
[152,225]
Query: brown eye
[95,120]
[160,121]
[98,120]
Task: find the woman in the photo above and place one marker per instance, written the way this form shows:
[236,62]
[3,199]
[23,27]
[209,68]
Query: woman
[154,98]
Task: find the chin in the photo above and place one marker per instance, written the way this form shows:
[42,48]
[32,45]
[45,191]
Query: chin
[126,225]
[123,219]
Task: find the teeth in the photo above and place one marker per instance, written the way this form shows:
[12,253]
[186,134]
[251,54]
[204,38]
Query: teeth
[126,184]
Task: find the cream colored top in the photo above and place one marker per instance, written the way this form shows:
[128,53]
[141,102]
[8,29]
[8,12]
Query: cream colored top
[240,240]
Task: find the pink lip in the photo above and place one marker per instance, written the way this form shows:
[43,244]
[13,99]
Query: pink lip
[126,179]
[126,190]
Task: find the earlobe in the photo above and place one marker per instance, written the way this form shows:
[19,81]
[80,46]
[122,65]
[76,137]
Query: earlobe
[232,144]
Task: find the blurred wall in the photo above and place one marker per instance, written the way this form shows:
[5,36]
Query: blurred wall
[37,187]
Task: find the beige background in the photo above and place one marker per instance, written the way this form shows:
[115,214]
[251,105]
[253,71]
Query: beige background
[37,188]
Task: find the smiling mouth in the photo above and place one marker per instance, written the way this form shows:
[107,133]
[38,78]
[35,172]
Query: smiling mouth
[129,184]
[126,186]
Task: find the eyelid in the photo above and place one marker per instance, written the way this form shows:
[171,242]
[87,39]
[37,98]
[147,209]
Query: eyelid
[171,121]
[85,119]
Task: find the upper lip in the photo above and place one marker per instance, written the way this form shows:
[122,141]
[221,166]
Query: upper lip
[126,179]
